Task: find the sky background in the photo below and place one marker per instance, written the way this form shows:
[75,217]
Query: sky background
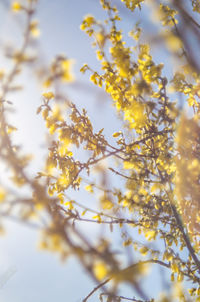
[40,276]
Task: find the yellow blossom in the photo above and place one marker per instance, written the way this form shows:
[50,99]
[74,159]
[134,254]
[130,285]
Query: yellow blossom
[48,95]
[67,75]
[16,6]
[100,270]
[34,29]
[2,194]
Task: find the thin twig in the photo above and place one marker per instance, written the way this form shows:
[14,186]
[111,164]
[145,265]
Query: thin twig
[121,271]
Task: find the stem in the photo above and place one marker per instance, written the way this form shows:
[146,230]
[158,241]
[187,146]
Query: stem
[130,267]
[185,237]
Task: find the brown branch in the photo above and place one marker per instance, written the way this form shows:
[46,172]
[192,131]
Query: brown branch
[180,225]
[95,289]
[130,267]
[123,298]
[132,178]
[185,237]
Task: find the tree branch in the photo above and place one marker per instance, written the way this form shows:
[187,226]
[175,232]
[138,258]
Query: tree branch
[130,267]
